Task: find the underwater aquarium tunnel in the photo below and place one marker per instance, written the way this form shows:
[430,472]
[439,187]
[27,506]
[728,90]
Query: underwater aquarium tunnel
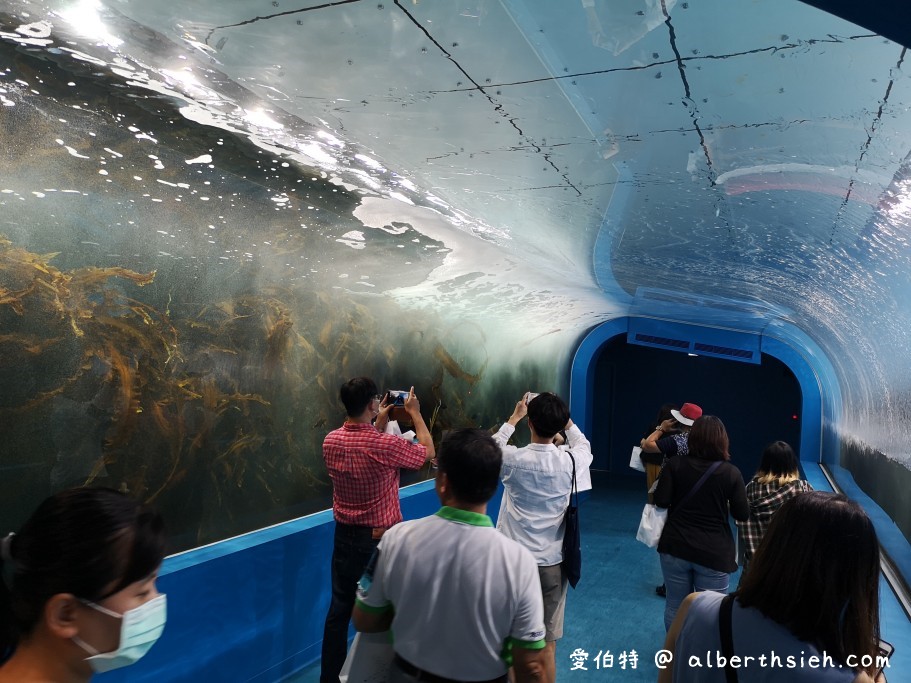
[214,213]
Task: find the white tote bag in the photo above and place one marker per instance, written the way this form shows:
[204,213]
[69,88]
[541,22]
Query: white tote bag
[635,461]
[651,525]
[369,659]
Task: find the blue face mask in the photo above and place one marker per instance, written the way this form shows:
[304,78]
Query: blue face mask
[140,627]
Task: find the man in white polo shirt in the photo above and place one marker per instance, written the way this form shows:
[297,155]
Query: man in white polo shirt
[537,480]
[463,600]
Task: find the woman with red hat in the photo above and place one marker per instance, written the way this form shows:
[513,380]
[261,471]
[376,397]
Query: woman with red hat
[678,427]
[668,439]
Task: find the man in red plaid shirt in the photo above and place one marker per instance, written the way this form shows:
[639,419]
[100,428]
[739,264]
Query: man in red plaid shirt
[363,463]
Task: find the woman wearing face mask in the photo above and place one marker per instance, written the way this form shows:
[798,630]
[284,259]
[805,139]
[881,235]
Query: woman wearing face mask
[78,594]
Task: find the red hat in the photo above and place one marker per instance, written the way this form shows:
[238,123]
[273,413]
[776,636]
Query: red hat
[687,414]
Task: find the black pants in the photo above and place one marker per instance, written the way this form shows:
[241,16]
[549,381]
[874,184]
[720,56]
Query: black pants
[351,552]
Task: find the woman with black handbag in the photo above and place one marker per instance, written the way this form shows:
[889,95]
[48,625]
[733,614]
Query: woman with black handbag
[699,488]
[807,611]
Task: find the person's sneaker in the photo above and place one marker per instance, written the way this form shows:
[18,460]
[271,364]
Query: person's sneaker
[661,590]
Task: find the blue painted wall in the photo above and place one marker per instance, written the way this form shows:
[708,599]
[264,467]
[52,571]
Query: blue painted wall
[252,608]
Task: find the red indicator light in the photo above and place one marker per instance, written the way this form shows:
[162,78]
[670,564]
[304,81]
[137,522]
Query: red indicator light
[793,417]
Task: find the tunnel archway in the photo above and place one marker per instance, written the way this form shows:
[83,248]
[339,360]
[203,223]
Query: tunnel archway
[813,395]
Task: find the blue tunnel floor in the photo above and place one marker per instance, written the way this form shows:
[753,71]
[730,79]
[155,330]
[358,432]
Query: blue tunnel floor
[614,611]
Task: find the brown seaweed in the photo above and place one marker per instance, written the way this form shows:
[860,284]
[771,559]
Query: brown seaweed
[226,399]
[126,404]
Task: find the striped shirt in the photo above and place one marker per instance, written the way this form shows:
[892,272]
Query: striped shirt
[364,465]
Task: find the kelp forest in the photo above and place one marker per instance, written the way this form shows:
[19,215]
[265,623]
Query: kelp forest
[215,415]
[178,329]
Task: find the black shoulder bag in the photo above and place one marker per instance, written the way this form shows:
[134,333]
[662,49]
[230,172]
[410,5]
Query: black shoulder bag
[572,537]
[727,637]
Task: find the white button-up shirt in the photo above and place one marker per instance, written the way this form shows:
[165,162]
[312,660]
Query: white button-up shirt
[537,480]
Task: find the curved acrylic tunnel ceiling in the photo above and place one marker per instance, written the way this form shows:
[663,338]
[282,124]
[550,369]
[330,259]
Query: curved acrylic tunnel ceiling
[742,158]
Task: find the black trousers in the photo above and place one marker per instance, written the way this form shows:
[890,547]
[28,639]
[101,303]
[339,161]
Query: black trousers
[351,552]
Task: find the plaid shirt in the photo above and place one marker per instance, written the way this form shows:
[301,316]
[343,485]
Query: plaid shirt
[764,499]
[364,464]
